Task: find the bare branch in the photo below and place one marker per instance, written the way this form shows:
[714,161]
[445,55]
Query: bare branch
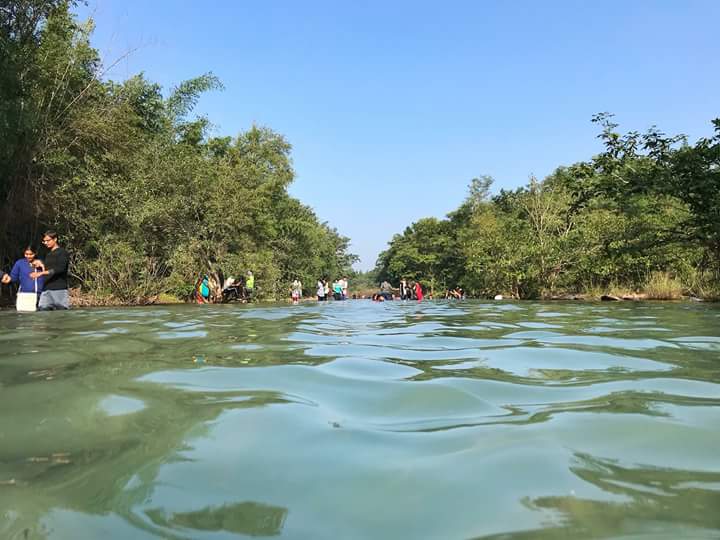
[94,80]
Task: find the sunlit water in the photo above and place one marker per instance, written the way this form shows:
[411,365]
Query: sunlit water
[361,420]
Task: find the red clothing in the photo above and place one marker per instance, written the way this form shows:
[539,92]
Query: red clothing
[418,292]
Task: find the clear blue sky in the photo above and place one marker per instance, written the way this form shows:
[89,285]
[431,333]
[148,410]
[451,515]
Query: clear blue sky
[392,107]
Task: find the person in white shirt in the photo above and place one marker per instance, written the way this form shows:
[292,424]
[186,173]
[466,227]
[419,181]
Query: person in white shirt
[296,291]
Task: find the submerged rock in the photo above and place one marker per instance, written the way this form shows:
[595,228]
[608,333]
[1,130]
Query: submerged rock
[566,297]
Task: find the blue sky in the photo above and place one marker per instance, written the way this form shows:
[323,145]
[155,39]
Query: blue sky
[392,107]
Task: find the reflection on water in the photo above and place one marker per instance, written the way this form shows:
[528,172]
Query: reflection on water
[357,420]
[661,503]
[245,518]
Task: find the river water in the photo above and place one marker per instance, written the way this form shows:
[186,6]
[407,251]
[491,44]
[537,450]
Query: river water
[362,420]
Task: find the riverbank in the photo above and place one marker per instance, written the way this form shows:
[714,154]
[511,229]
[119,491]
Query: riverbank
[81,299]
[627,297]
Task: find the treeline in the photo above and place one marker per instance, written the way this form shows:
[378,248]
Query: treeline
[140,193]
[644,215]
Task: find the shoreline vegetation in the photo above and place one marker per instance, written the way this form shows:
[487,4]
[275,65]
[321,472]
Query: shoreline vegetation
[146,199]
[642,218]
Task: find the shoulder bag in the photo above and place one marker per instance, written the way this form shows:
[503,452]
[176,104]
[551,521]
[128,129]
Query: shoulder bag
[27,301]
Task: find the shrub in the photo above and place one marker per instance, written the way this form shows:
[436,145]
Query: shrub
[663,286]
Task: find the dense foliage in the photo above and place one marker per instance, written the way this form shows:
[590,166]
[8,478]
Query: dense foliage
[140,193]
[643,212]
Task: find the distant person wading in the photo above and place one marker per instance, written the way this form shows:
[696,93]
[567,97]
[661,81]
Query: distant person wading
[296,291]
[321,293]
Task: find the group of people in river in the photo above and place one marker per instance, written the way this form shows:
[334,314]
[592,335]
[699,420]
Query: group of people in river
[338,290]
[408,290]
[211,288]
[42,283]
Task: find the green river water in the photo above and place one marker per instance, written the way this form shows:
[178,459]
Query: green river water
[361,420]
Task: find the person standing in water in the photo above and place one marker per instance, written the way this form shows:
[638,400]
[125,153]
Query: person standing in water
[321,291]
[21,271]
[404,290]
[55,295]
[337,290]
[249,285]
[296,291]
[386,290]
[418,291]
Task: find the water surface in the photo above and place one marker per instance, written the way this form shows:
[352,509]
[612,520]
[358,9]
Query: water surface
[361,420]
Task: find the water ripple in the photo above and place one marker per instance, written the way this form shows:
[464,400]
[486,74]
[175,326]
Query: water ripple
[359,419]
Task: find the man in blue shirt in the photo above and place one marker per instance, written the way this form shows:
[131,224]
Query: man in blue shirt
[21,273]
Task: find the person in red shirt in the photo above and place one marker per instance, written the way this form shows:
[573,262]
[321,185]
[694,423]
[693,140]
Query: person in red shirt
[418,291]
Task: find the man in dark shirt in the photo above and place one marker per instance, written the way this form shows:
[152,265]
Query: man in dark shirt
[55,295]
[4,278]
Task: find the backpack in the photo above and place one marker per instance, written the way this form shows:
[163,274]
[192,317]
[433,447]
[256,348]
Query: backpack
[205,288]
